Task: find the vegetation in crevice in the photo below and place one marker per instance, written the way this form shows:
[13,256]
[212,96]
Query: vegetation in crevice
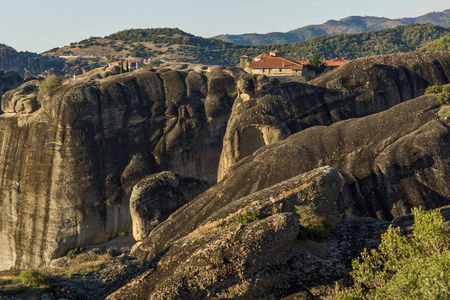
[405,267]
[250,216]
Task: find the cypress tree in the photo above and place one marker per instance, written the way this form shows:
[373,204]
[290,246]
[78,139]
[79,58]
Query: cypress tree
[121,66]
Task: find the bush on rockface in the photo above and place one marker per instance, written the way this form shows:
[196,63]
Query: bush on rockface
[250,216]
[312,226]
[415,267]
[34,278]
[73,253]
[47,85]
[442,93]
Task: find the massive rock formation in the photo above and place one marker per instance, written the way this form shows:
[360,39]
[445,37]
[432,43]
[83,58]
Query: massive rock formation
[389,161]
[68,168]
[229,260]
[359,88]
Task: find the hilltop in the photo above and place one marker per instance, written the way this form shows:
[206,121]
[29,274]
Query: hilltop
[167,44]
[175,46]
[352,24]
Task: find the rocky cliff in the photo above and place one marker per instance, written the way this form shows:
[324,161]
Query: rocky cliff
[359,88]
[69,163]
[384,164]
[389,161]
[71,159]
[8,81]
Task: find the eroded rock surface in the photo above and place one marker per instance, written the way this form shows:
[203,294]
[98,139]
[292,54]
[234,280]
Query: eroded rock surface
[220,258]
[359,88]
[389,161]
[68,168]
[157,196]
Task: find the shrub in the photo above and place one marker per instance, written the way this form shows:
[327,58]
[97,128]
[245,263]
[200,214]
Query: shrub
[250,216]
[443,98]
[433,89]
[442,91]
[33,278]
[321,233]
[416,267]
[74,252]
[312,226]
[47,85]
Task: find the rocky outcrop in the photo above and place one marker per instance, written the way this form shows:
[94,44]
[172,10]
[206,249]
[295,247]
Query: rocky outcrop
[389,161]
[317,189]
[224,259]
[8,81]
[22,100]
[68,169]
[357,89]
[157,196]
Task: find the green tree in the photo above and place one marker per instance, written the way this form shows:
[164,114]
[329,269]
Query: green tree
[415,267]
[121,66]
[315,63]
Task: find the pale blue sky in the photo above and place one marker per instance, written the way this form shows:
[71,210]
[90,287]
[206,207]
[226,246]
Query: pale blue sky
[39,25]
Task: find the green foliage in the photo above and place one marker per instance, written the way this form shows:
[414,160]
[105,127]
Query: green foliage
[442,91]
[441,44]
[315,63]
[433,89]
[250,216]
[443,98]
[321,233]
[312,226]
[74,252]
[49,84]
[33,278]
[416,267]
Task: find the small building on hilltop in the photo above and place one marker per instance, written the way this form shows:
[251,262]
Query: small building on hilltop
[131,63]
[274,64]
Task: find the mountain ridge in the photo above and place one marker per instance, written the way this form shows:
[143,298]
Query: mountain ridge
[351,24]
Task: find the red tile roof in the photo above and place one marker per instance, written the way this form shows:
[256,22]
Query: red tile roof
[270,62]
[265,61]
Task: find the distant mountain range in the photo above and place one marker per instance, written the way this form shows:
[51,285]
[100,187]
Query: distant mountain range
[353,24]
[177,47]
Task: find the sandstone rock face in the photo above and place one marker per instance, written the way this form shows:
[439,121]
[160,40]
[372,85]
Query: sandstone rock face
[68,169]
[262,115]
[157,196]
